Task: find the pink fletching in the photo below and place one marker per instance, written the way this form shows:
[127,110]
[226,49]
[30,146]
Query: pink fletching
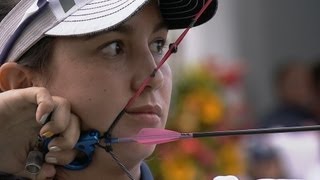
[156,136]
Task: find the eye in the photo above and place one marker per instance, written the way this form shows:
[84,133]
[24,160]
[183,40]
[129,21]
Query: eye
[112,49]
[157,47]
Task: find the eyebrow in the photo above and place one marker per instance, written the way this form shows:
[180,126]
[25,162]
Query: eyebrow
[129,29]
[125,29]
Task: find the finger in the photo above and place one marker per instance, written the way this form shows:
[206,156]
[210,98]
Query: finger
[61,157]
[28,98]
[60,118]
[47,171]
[67,139]
[41,97]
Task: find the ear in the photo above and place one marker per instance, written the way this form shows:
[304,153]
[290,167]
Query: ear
[14,76]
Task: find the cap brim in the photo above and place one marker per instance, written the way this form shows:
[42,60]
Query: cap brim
[178,14]
[96,16]
[99,15]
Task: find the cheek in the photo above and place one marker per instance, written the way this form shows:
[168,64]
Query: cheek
[95,97]
[97,106]
[167,88]
[167,73]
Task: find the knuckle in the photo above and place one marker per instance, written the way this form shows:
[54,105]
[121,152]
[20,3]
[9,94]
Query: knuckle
[63,102]
[70,143]
[74,118]
[60,126]
[42,90]
[44,96]
[66,158]
[75,122]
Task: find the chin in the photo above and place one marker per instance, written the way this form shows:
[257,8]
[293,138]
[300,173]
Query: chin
[133,152]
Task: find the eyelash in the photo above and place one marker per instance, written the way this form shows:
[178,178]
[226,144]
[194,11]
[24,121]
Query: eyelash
[163,46]
[157,48]
[119,47]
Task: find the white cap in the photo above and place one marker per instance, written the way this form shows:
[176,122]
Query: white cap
[31,20]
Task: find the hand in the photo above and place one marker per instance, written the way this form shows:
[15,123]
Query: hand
[22,114]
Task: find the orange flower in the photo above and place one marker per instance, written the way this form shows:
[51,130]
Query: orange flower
[212,109]
[198,105]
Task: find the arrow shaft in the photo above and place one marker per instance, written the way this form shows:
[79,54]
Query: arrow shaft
[164,136]
[256,131]
[122,140]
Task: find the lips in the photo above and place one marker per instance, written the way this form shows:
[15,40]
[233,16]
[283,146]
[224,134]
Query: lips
[145,109]
[146,113]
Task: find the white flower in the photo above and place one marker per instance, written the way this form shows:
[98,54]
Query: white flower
[225,178]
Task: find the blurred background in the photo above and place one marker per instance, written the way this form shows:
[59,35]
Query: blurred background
[256,64]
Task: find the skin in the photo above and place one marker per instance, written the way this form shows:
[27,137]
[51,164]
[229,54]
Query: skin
[19,110]
[90,80]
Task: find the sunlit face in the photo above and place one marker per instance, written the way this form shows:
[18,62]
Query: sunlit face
[99,74]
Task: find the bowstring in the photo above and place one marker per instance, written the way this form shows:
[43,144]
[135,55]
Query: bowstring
[172,49]
[121,165]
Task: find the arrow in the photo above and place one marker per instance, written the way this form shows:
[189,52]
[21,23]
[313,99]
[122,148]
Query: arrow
[152,136]
[159,136]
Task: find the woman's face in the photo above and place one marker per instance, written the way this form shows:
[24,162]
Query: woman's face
[100,73]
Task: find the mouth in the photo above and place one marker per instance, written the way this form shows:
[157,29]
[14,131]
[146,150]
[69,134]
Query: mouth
[146,114]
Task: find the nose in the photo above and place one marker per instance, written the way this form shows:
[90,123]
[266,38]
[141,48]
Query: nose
[145,65]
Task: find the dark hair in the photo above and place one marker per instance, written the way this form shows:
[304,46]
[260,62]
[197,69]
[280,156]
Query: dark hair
[38,56]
